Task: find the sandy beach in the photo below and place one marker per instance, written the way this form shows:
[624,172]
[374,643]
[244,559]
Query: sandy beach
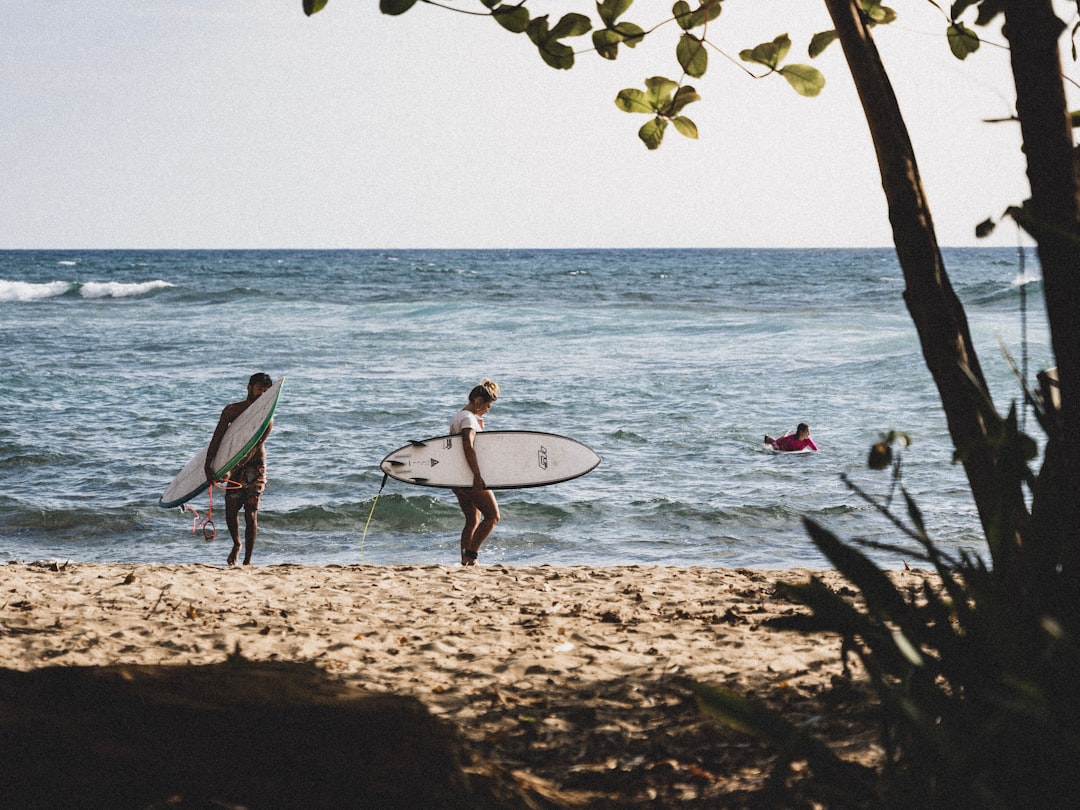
[567,676]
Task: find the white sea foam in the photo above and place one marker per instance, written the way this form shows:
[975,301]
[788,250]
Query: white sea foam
[28,291]
[116,289]
[31,291]
[1023,279]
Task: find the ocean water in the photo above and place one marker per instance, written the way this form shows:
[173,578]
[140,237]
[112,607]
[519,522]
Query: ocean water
[671,364]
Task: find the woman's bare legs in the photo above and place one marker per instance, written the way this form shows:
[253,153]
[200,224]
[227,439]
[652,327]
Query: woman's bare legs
[481,512]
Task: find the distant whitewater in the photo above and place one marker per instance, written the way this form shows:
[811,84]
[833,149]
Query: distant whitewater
[672,364]
[30,291]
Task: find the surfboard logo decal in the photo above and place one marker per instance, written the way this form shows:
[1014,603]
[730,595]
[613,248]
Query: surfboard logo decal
[542,458]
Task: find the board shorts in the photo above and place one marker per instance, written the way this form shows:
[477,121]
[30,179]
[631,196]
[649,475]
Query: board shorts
[252,481]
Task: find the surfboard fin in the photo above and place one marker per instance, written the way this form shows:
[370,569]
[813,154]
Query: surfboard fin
[419,480]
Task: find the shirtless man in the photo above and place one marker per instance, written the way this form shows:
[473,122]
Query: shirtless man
[249,474]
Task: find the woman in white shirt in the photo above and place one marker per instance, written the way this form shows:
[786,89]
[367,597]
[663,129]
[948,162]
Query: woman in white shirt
[478,504]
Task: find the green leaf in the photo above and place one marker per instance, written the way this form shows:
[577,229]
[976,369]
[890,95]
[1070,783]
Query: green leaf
[611,10]
[514,19]
[661,97]
[631,34]
[660,89]
[769,54]
[820,41]
[708,11]
[607,40]
[395,7]
[877,13]
[741,713]
[632,100]
[683,96]
[606,43]
[807,81]
[681,12]
[314,6]
[571,25]
[538,30]
[652,134]
[557,55]
[907,649]
[553,52]
[685,126]
[540,35]
[783,45]
[692,56]
[962,41]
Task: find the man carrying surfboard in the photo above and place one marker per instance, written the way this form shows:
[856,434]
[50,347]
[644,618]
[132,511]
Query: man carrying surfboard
[248,478]
[476,501]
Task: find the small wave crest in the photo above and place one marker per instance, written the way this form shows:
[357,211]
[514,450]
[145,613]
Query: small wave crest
[117,289]
[996,292]
[42,291]
[29,291]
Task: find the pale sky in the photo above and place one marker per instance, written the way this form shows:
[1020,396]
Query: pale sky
[202,124]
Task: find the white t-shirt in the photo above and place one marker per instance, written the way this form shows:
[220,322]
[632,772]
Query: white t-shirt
[465,419]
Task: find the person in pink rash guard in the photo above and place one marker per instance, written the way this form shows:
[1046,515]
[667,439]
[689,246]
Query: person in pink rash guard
[789,444]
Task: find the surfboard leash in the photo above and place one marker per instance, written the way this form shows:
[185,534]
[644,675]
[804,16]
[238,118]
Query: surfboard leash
[209,530]
[363,537]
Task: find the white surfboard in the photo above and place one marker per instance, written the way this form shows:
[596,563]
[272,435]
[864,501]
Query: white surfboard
[803,452]
[509,459]
[242,435]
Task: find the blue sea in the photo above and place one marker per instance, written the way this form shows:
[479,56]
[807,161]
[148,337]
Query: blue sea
[671,364]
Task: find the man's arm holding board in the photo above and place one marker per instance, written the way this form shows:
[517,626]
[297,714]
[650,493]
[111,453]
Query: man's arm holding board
[228,415]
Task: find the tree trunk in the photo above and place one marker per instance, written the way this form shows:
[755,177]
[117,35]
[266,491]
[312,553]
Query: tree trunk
[938,314]
[1054,220]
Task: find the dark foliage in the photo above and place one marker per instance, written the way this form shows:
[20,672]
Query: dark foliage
[974,670]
